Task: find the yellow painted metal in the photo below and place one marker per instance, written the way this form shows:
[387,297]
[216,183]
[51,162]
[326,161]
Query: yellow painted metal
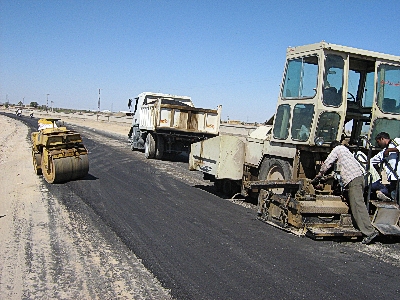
[58,153]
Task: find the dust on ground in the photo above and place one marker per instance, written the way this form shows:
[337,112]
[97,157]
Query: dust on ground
[46,252]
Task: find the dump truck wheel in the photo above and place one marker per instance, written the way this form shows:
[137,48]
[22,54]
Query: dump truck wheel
[150,146]
[160,147]
[37,160]
[275,169]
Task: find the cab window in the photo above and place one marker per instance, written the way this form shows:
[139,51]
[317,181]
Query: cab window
[388,97]
[301,78]
[328,125]
[333,80]
[391,126]
[302,120]
[281,126]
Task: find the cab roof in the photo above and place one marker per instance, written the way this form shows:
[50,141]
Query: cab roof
[311,48]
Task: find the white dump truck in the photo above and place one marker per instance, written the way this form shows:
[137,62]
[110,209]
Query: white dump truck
[328,92]
[164,123]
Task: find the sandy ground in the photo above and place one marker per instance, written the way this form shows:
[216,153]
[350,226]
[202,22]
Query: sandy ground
[47,253]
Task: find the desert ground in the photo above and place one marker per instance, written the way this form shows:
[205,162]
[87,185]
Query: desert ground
[47,253]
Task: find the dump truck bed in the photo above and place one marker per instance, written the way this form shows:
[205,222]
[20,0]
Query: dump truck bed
[175,116]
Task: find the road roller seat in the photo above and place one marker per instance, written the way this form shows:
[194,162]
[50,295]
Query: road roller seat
[47,123]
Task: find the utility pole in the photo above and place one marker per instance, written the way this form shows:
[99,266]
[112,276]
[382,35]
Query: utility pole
[98,107]
[98,103]
[52,106]
[47,103]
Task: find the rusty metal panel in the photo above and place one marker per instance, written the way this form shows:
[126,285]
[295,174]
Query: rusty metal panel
[254,151]
[166,117]
[196,121]
[222,156]
[280,149]
[204,156]
[386,218]
[179,117]
[317,232]
[231,158]
[323,207]
[147,117]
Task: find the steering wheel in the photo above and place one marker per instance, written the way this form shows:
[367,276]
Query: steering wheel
[351,97]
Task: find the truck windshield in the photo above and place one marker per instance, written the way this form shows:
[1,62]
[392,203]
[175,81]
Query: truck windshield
[388,97]
[301,78]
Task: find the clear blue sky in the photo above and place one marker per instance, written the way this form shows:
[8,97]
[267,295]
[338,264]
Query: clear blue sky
[218,52]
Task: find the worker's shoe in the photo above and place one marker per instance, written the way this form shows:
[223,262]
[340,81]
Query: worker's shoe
[381,196]
[368,239]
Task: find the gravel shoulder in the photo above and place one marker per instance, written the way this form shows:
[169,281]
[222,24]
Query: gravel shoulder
[46,252]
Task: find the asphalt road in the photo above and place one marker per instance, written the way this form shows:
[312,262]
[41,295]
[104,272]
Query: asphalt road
[201,246]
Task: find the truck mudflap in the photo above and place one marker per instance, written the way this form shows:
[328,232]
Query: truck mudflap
[386,218]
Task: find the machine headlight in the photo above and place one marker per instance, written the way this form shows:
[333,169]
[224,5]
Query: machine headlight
[319,141]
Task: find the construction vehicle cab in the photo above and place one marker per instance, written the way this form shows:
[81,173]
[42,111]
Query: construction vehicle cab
[331,92]
[328,92]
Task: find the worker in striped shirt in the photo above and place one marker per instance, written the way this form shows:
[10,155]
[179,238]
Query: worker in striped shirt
[352,176]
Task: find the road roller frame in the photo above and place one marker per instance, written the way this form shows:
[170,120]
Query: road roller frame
[58,153]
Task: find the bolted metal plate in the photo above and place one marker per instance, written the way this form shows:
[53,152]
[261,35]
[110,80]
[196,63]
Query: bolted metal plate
[387,229]
[323,207]
[332,232]
[386,218]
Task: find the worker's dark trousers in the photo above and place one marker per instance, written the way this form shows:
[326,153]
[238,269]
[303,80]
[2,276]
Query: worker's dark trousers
[357,205]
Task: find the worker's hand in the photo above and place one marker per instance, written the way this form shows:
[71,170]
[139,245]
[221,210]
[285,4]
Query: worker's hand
[316,179]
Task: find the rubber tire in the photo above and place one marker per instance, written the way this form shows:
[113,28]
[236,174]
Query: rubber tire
[159,147]
[150,146]
[275,169]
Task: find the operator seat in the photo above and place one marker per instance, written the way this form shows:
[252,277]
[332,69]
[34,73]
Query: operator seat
[331,96]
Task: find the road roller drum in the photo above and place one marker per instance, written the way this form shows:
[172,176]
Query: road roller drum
[58,153]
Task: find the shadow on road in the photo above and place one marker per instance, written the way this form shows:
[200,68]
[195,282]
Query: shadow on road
[212,190]
[89,177]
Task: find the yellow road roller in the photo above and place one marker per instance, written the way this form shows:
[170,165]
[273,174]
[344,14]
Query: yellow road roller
[58,153]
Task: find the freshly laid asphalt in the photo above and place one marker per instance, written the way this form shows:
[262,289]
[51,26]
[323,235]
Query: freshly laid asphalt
[201,246]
